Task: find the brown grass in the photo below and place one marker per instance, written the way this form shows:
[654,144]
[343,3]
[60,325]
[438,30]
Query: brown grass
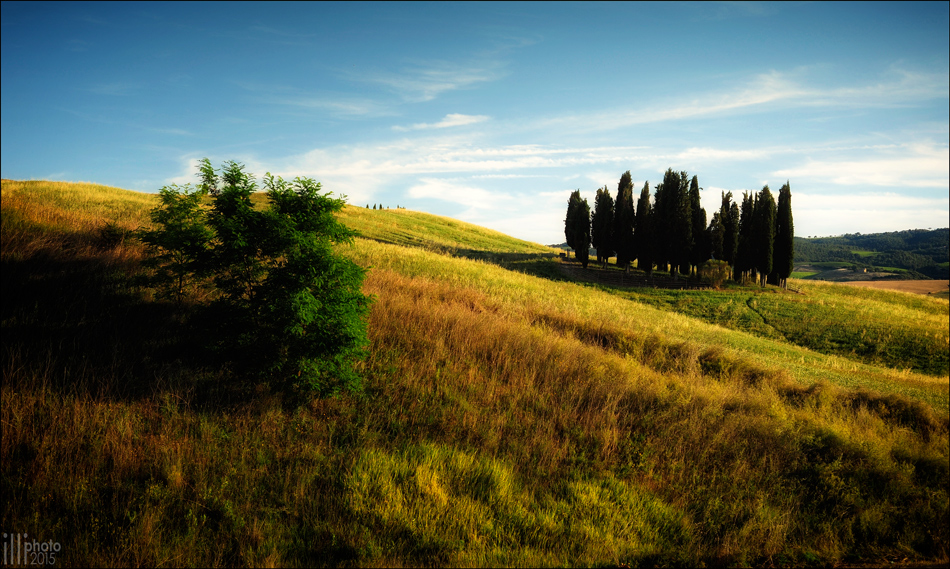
[916,287]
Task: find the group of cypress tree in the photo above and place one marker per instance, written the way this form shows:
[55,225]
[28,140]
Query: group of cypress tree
[670,232]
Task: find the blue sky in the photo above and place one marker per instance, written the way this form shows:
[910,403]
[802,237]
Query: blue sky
[493,113]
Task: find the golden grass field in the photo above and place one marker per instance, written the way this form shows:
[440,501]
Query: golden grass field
[509,416]
[916,287]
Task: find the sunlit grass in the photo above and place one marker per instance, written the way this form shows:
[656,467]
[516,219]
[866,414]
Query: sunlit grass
[507,419]
[529,298]
[424,230]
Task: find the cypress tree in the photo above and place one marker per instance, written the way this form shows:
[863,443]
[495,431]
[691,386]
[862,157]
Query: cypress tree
[581,222]
[602,225]
[784,238]
[743,257]
[678,212]
[624,219]
[699,252]
[643,233]
[659,224]
[729,218]
[764,232]
[570,224]
[732,231]
[714,236]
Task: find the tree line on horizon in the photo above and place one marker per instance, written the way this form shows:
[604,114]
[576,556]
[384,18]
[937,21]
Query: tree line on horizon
[921,253]
[668,231]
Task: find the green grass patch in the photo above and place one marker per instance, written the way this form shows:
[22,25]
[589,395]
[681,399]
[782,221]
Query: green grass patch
[830,265]
[865,254]
[876,327]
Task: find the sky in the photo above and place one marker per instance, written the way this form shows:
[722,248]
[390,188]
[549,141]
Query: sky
[494,113]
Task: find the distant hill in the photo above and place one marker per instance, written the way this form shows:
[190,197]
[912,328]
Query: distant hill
[923,253]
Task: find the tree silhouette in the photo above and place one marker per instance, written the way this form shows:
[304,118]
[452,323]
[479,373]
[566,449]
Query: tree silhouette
[643,234]
[624,219]
[602,225]
[784,238]
[764,233]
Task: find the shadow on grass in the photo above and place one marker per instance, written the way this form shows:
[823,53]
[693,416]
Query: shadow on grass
[77,325]
[542,265]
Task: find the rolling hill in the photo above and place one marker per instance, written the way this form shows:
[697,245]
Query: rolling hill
[510,416]
[916,253]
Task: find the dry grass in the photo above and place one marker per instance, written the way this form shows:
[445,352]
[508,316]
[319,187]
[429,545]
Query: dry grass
[506,420]
[915,287]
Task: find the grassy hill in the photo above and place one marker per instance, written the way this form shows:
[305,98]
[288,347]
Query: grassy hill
[510,415]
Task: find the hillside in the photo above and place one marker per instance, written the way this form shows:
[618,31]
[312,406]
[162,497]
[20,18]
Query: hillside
[917,253]
[510,415]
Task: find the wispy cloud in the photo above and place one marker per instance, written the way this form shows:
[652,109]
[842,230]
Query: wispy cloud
[341,106]
[450,120]
[768,91]
[336,104]
[720,154]
[425,81]
[175,131]
[898,87]
[911,166]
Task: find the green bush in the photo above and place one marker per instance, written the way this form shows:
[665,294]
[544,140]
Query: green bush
[281,305]
[178,249]
[715,272]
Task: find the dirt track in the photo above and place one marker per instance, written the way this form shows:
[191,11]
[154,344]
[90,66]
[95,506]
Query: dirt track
[919,287]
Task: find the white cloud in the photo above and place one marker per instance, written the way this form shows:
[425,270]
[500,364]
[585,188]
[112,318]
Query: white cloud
[450,120]
[912,165]
[189,170]
[441,155]
[866,212]
[865,201]
[720,154]
[472,197]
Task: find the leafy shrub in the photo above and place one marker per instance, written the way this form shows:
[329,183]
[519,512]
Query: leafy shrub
[281,305]
[715,272]
[178,249]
